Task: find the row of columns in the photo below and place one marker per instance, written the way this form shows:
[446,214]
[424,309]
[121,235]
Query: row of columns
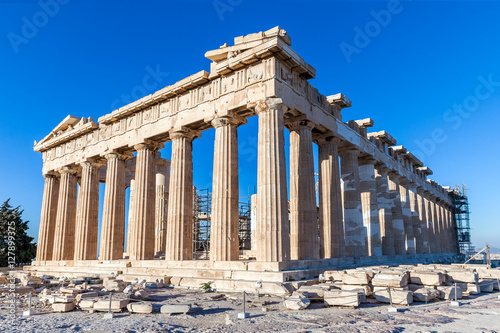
[364,209]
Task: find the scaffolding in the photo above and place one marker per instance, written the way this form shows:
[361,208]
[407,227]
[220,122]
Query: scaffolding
[202,203]
[462,222]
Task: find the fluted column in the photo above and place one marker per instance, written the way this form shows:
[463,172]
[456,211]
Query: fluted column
[45,246]
[429,222]
[113,213]
[332,242]
[64,236]
[162,183]
[385,203]
[224,219]
[435,248]
[398,228]
[304,235]
[180,204]
[369,205]
[143,219]
[437,225]
[355,232]
[87,212]
[130,209]
[407,216]
[446,229]
[415,218]
[422,217]
[273,230]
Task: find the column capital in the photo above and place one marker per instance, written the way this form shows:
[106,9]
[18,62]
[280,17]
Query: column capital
[295,124]
[232,119]
[92,162]
[367,159]
[184,132]
[114,154]
[67,170]
[327,137]
[382,168]
[267,104]
[51,174]
[349,150]
[148,144]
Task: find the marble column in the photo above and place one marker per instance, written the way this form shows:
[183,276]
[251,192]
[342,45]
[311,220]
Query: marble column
[385,203]
[407,216]
[113,213]
[332,242]
[162,183]
[433,232]
[304,233]
[446,228]
[130,209]
[369,205]
[45,246]
[355,232]
[437,226]
[180,202]
[224,218]
[273,229]
[64,236]
[142,245]
[397,214]
[415,218]
[422,220]
[429,220]
[87,212]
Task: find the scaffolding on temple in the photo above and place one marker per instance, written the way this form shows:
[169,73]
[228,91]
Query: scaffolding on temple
[202,203]
[462,221]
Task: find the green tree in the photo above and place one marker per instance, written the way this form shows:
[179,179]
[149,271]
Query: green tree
[16,247]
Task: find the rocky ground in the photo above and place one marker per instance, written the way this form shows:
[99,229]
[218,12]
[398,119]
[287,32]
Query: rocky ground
[214,312]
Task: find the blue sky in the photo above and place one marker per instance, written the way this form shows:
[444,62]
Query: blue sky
[428,73]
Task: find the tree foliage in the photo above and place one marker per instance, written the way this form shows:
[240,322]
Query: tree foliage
[16,247]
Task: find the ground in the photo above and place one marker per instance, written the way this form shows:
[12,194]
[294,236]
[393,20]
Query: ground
[213,313]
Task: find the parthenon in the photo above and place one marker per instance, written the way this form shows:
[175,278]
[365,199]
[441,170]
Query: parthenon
[374,199]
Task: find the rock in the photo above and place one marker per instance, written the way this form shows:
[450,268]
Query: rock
[313,292]
[63,307]
[486,286]
[342,298]
[112,284]
[399,297]
[151,285]
[448,293]
[425,295]
[68,291]
[135,281]
[427,278]
[390,280]
[296,303]
[334,275]
[140,307]
[140,294]
[175,308]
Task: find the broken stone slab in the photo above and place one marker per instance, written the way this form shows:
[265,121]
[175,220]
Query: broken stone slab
[128,289]
[296,303]
[342,298]
[469,288]
[366,290]
[63,307]
[427,278]
[357,278]
[140,307]
[175,308]
[399,297]
[448,293]
[140,294]
[91,294]
[485,273]
[486,286]
[462,276]
[69,291]
[87,304]
[60,299]
[116,305]
[425,294]
[313,292]
[334,275]
[113,284]
[397,280]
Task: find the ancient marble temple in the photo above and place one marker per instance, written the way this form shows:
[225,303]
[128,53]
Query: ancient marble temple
[375,200]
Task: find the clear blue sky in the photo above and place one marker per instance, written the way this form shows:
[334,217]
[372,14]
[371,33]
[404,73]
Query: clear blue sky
[409,74]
